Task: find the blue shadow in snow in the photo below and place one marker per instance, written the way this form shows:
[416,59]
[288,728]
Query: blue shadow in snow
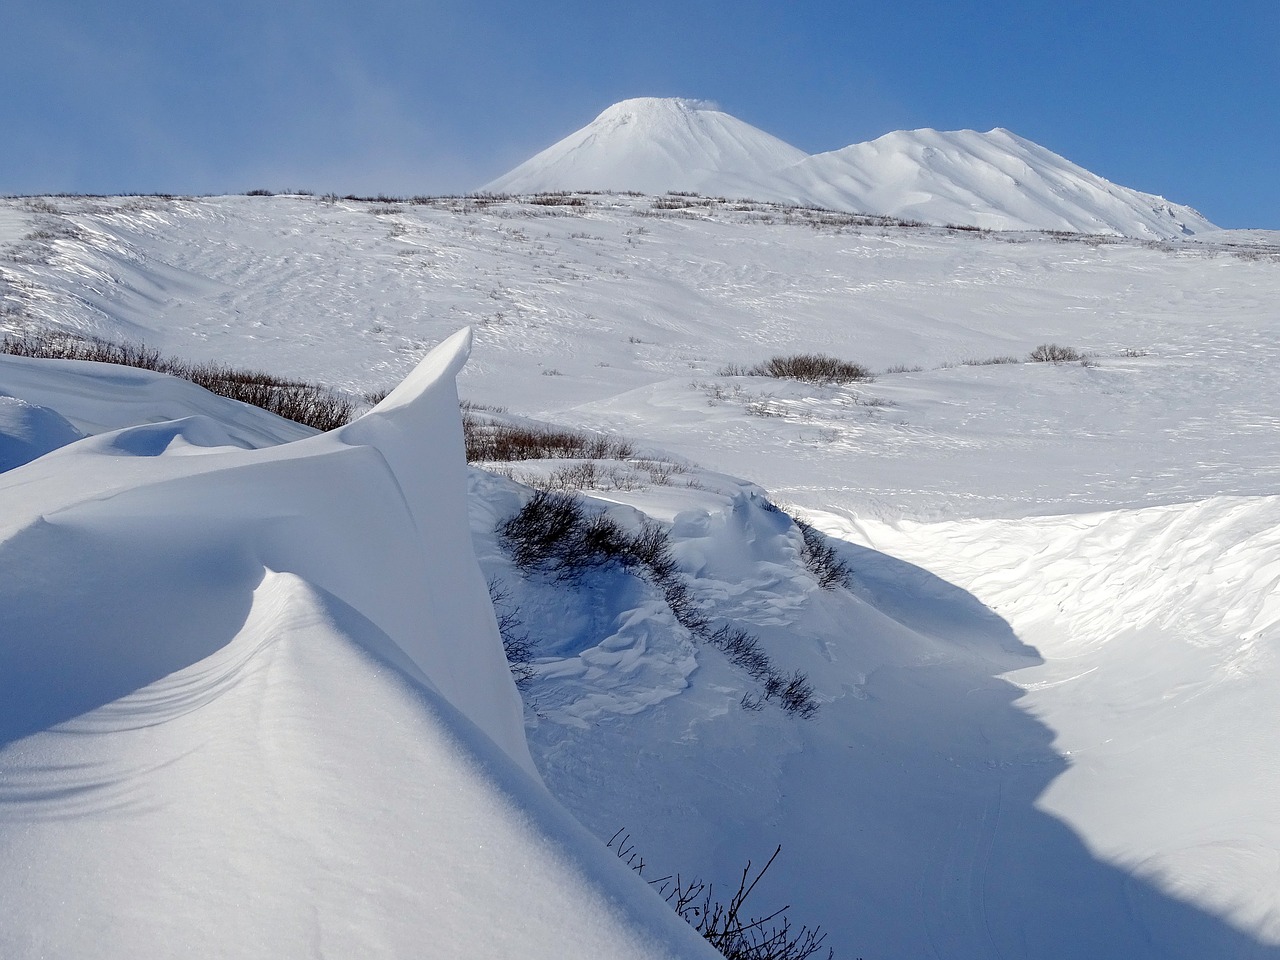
[962,863]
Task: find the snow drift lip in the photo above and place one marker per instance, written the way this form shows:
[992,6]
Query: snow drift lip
[366,513]
[444,362]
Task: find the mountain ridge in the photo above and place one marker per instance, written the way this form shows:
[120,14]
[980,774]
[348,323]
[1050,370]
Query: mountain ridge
[994,180]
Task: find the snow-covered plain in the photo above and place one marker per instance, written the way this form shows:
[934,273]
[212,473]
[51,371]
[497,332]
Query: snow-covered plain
[1048,720]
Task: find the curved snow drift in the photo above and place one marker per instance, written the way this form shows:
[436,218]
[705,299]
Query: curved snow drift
[254,702]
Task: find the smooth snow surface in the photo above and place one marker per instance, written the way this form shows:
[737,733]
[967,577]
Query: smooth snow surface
[1047,718]
[994,180]
[254,703]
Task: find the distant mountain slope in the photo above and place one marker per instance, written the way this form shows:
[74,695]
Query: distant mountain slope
[654,145]
[996,180]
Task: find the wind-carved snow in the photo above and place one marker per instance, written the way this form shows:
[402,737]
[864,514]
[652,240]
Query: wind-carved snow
[253,702]
[1046,714]
[994,180]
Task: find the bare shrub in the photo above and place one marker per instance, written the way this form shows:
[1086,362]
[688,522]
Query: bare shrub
[41,205]
[553,534]
[990,361]
[725,924]
[651,549]
[297,400]
[473,406]
[516,643]
[1053,353]
[742,649]
[381,198]
[557,199]
[660,472]
[597,475]
[55,345]
[794,693]
[813,368]
[822,560]
[904,368]
[580,475]
[765,407]
[536,534]
[505,442]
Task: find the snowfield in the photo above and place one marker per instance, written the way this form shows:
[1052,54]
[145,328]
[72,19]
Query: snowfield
[253,692]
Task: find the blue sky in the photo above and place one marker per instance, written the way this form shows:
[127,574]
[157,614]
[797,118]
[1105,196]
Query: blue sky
[1176,97]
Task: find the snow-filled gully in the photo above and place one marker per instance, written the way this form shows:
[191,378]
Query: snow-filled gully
[1159,629]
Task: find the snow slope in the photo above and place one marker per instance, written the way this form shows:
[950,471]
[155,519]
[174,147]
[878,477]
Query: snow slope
[253,702]
[1046,724]
[654,145]
[994,180]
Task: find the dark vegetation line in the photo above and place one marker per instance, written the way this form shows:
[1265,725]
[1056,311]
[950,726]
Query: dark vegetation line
[810,367]
[821,558]
[506,442]
[553,534]
[299,400]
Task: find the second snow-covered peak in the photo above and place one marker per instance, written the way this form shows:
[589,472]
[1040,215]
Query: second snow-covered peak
[995,180]
[654,144]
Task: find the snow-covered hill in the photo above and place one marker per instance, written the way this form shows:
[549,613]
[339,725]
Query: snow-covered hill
[654,145]
[994,180]
[1046,724]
